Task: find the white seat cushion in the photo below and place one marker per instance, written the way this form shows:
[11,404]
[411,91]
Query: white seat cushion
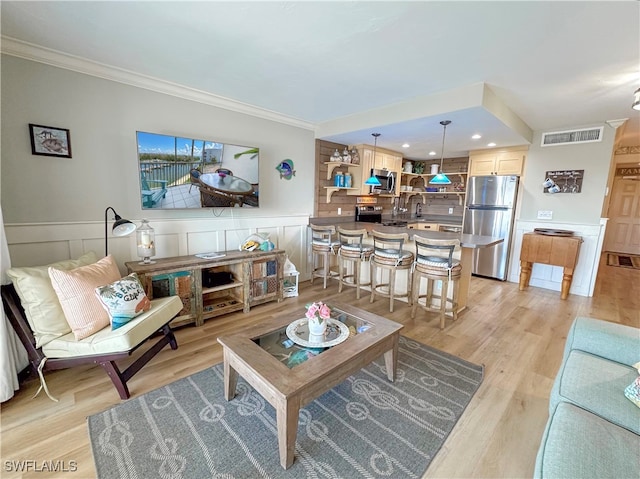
[437,262]
[356,248]
[122,339]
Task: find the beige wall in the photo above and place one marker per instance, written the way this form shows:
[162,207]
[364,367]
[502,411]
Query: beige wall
[54,207]
[582,208]
[103,117]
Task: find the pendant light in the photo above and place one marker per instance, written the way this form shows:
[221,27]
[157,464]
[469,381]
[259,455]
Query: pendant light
[441,178]
[373,181]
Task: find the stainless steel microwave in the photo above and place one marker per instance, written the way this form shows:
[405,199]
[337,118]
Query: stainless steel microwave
[387,181]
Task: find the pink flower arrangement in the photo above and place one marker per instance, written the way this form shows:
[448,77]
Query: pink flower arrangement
[318,310]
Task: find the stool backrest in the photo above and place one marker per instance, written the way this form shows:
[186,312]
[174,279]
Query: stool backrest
[352,238]
[435,250]
[388,244]
[323,234]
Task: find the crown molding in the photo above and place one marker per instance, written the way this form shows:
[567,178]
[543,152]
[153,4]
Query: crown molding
[36,53]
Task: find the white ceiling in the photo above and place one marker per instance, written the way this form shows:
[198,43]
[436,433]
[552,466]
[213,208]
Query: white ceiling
[347,69]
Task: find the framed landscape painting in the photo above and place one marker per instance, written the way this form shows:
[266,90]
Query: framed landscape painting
[50,141]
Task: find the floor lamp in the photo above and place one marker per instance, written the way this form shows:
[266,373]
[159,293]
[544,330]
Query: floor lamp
[121,227]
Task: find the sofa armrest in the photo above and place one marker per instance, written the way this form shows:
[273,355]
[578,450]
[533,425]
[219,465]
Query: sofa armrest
[608,340]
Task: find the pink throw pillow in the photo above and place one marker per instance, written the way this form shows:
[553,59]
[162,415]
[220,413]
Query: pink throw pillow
[76,292]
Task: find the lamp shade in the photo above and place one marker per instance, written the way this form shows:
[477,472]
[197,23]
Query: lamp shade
[373,181]
[121,227]
[441,178]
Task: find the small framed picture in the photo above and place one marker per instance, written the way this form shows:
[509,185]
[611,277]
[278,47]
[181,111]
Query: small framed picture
[50,141]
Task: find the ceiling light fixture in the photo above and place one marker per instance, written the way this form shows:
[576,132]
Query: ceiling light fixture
[491,144]
[373,181]
[636,100]
[441,178]
[476,137]
[406,145]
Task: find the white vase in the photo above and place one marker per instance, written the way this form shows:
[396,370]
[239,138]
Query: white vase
[317,327]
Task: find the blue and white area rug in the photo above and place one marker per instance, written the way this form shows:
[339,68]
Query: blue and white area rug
[365,427]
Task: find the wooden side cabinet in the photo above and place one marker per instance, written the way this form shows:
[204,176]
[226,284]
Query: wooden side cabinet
[553,250]
[213,287]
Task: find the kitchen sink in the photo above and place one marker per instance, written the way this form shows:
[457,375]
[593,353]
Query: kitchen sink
[395,223]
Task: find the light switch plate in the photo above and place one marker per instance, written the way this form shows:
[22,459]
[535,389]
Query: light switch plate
[545,215]
[339,211]
[450,211]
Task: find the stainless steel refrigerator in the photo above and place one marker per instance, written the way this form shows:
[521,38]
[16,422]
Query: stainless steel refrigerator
[490,210]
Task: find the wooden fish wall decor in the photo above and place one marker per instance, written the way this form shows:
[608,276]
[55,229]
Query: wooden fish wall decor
[286,169]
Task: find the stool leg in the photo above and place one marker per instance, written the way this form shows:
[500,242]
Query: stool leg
[372,269]
[326,266]
[428,300]
[341,267]
[392,287]
[443,302]
[415,293]
[454,300]
[356,276]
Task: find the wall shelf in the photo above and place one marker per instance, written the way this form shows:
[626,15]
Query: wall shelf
[459,194]
[332,189]
[332,165]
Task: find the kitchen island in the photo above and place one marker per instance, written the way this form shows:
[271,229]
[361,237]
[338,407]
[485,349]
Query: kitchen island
[468,243]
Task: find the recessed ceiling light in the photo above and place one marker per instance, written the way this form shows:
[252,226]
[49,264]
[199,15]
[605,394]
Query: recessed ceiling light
[432,153]
[491,144]
[476,137]
[406,145]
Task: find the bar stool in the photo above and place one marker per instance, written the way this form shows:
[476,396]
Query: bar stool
[435,262]
[388,255]
[323,244]
[352,253]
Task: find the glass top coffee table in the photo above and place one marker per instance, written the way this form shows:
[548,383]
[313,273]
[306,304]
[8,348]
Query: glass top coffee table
[289,375]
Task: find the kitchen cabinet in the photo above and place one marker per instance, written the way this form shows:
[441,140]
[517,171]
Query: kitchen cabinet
[497,162]
[384,159]
[210,287]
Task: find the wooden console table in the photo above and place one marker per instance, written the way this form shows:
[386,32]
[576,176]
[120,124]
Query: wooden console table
[554,250]
[254,277]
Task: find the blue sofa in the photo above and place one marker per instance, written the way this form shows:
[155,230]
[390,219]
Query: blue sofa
[593,430]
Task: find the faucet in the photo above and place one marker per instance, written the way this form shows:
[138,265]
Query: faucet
[418,210]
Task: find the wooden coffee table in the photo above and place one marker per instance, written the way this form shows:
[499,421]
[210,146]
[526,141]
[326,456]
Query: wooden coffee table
[257,354]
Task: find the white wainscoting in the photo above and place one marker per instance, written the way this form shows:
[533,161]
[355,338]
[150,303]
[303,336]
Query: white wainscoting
[550,277]
[44,243]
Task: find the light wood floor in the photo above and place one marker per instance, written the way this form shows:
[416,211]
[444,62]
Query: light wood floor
[518,336]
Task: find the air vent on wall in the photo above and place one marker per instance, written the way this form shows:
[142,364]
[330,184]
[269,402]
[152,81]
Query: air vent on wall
[585,135]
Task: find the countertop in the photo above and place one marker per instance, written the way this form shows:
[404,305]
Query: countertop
[440,219]
[466,240]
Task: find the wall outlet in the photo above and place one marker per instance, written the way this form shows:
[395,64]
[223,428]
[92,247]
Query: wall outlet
[450,211]
[339,211]
[545,215]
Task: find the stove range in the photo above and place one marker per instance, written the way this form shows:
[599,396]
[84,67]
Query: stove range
[369,214]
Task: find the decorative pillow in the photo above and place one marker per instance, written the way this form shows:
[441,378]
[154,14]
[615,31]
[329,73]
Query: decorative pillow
[76,292]
[633,390]
[123,299]
[39,300]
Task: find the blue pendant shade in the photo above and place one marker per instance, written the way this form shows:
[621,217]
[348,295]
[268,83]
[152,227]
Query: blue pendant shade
[441,178]
[373,181]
